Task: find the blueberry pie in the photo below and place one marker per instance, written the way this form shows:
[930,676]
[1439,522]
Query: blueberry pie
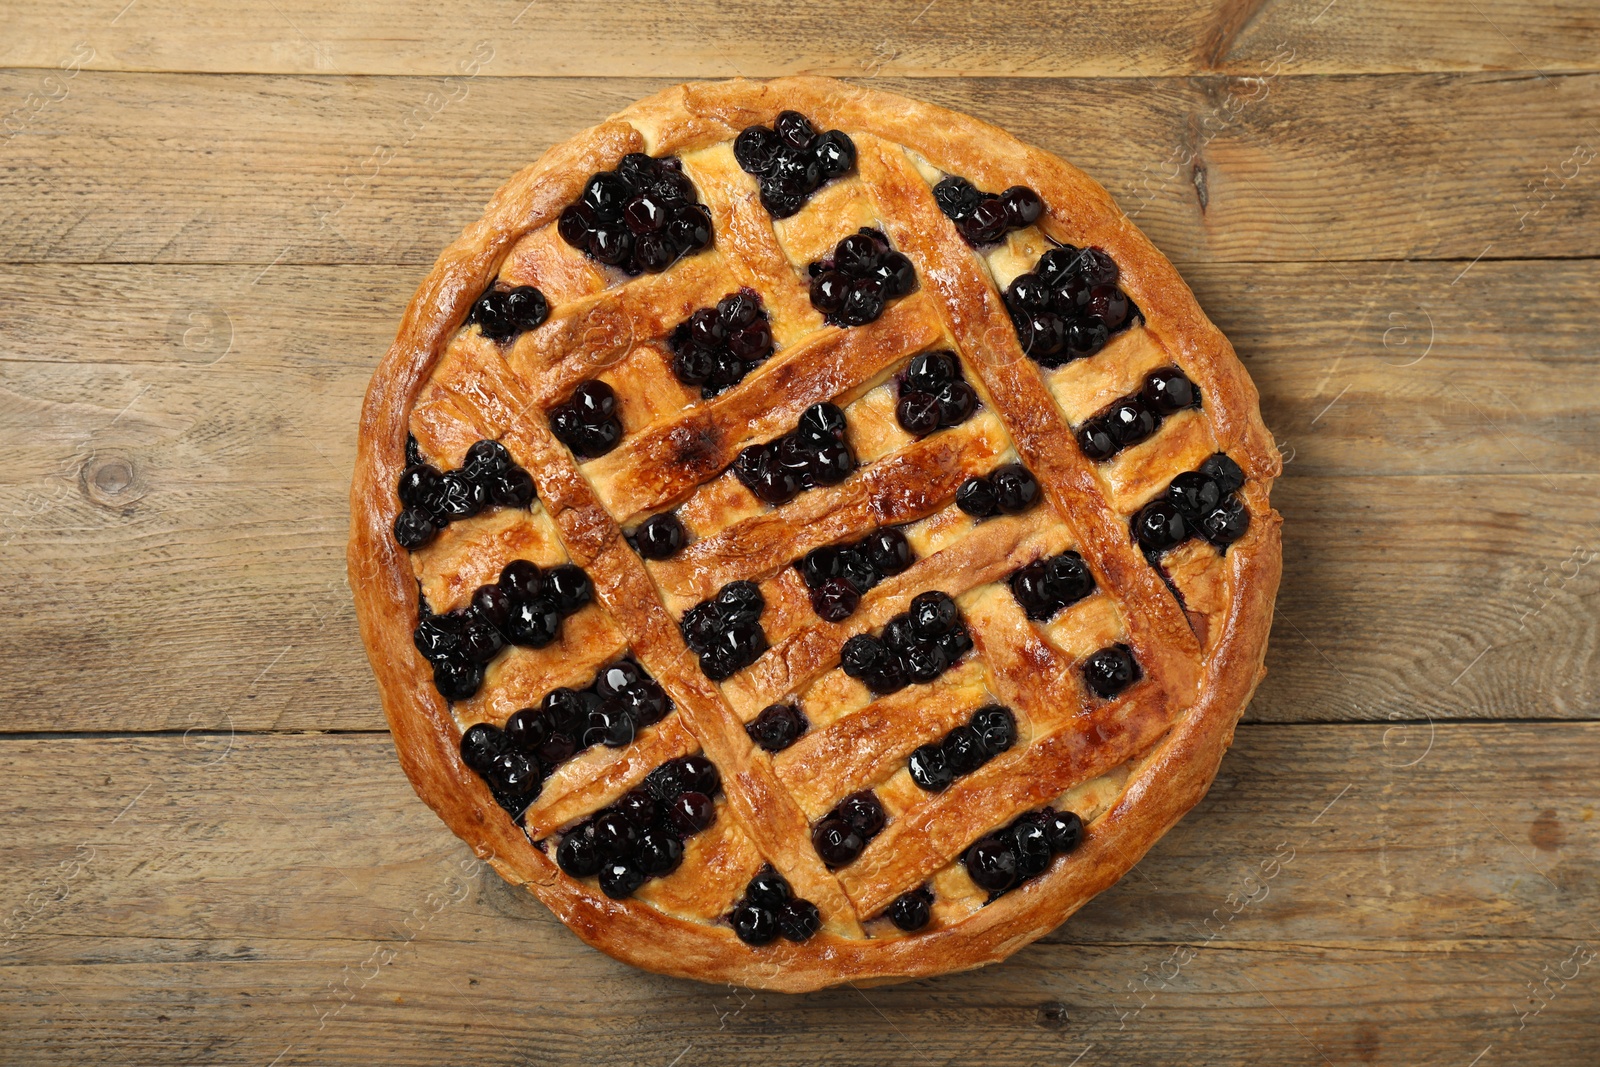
[807,536]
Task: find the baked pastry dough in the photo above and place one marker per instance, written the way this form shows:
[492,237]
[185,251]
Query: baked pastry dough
[1022,691]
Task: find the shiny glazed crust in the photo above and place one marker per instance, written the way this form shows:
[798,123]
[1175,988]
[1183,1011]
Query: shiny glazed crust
[1137,763]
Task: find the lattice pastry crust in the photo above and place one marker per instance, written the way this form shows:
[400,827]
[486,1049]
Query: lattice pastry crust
[1194,617]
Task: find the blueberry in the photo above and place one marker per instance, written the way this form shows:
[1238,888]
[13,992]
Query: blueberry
[646,701]
[640,808]
[653,252]
[927,372]
[888,550]
[1057,265]
[1015,488]
[690,812]
[459,497]
[1032,846]
[861,656]
[956,197]
[419,484]
[457,679]
[1071,298]
[917,413]
[658,853]
[1063,829]
[777,727]
[752,343]
[616,835]
[794,129]
[996,729]
[986,223]
[1097,267]
[976,498]
[862,304]
[911,911]
[836,154]
[481,641]
[533,623]
[690,229]
[1027,294]
[512,488]
[821,423]
[1067,579]
[1110,671]
[836,841]
[1023,206]
[1194,494]
[933,613]
[964,750]
[991,864]
[775,484]
[568,587]
[1221,469]
[637,169]
[605,195]
[1044,339]
[693,364]
[513,774]
[700,775]
[1226,523]
[620,878]
[856,254]
[798,920]
[864,812]
[1130,422]
[929,768]
[732,651]
[413,529]
[666,782]
[578,856]
[1110,305]
[611,243]
[755,149]
[829,291]
[794,174]
[609,725]
[955,644]
[557,749]
[573,227]
[660,536]
[1095,440]
[1086,337]
[614,678]
[889,676]
[835,600]
[898,635]
[896,273]
[700,626]
[754,925]
[924,663]
[1032,592]
[956,401]
[566,709]
[480,744]
[740,601]
[1159,525]
[768,889]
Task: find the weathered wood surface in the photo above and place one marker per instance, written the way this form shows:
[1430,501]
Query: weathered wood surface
[920,38]
[180,168]
[1388,207]
[1367,894]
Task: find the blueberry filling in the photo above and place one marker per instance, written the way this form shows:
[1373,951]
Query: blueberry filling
[814,453]
[525,607]
[502,314]
[933,394]
[1203,503]
[1135,418]
[840,835]
[991,730]
[725,631]
[717,346]
[852,285]
[1010,488]
[838,576]
[769,909]
[431,499]
[777,727]
[641,836]
[1110,671]
[659,537]
[911,911]
[915,646]
[587,423]
[1006,858]
[1068,306]
[791,160]
[640,217]
[1045,586]
[983,218]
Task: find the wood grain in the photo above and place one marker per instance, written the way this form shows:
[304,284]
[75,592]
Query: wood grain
[286,895]
[723,38]
[273,170]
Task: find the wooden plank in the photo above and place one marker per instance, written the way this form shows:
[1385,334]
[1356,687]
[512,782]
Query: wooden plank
[179,446]
[903,38]
[277,169]
[288,898]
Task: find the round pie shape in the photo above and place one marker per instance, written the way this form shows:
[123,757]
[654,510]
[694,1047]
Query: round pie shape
[1193,616]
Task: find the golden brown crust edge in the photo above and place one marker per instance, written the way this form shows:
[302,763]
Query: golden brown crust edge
[1169,781]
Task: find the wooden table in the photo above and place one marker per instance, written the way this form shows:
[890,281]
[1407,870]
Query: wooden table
[212,217]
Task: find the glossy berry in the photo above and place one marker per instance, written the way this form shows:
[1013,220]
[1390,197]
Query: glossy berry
[798,920]
[1194,495]
[917,413]
[861,656]
[700,775]
[888,551]
[691,812]
[609,725]
[418,485]
[928,371]
[991,864]
[1110,671]
[522,579]
[1015,488]
[964,750]
[480,744]
[929,768]
[976,497]
[532,623]
[527,729]
[983,218]
[512,488]
[1159,525]
[754,925]
[835,600]
[1023,206]
[1067,579]
[1032,592]
[851,285]
[791,160]
[578,856]
[615,834]
[996,729]
[658,853]
[717,346]
[1130,422]
[864,812]
[1032,846]
[1063,829]
[911,911]
[768,889]
[414,528]
[933,614]
[1221,469]
[503,314]
[1168,391]
[836,842]
[660,536]
[568,587]
[640,217]
[955,644]
[957,400]
[457,679]
[587,423]
[1096,441]
[620,878]
[924,662]
[1226,523]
